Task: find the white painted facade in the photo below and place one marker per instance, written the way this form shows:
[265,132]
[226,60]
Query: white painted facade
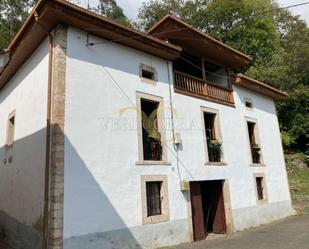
[102,183]
[22,179]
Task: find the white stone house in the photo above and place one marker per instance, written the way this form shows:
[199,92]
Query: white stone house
[112,138]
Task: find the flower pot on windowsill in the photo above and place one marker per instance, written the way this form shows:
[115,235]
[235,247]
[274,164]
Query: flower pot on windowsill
[256,147]
[214,144]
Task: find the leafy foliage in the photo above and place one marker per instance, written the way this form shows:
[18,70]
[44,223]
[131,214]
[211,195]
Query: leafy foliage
[110,9]
[12,15]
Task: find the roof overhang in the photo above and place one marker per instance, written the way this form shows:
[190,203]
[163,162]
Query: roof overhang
[260,87]
[49,13]
[182,34]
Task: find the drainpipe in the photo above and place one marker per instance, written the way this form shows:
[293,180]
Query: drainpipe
[48,132]
[175,145]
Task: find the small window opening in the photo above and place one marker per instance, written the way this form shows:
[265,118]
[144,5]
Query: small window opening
[152,148]
[10,131]
[255,148]
[153,193]
[260,188]
[213,145]
[148,74]
[248,103]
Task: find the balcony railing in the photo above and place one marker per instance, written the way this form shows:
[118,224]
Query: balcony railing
[193,86]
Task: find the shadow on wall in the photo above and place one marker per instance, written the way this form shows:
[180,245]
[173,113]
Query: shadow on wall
[91,221]
[22,169]
[21,211]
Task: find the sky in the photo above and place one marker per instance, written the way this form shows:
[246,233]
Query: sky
[130,7]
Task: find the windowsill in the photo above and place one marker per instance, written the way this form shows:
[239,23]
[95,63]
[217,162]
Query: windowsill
[149,81]
[261,202]
[215,163]
[257,165]
[163,163]
[155,219]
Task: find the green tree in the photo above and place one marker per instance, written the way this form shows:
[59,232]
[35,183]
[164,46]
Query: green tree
[153,10]
[238,23]
[294,118]
[110,9]
[12,15]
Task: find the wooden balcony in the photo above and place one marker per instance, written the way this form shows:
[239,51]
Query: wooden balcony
[199,88]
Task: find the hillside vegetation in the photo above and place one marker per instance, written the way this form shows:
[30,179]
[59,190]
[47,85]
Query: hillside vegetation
[298,172]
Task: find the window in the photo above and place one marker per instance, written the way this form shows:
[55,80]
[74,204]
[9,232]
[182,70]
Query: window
[260,187]
[248,103]
[154,199]
[254,145]
[148,72]
[151,133]
[152,148]
[153,192]
[10,129]
[213,136]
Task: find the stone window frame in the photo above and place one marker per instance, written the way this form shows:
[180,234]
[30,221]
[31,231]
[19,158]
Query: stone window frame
[160,100]
[257,138]
[165,215]
[217,124]
[10,133]
[264,185]
[246,99]
[150,69]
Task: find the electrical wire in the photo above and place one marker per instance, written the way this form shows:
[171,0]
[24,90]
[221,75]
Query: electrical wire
[112,79]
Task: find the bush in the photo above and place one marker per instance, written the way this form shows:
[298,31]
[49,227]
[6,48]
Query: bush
[287,139]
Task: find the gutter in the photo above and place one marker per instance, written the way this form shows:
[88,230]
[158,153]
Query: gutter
[48,135]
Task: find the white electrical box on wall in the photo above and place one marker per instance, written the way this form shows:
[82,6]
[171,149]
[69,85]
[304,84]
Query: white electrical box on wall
[184,186]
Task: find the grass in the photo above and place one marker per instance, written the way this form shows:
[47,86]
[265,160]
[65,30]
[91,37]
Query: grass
[299,181]
[299,184]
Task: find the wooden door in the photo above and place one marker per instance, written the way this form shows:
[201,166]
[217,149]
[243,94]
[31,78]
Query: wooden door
[197,211]
[219,225]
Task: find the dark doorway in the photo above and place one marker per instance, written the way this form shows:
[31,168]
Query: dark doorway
[208,213]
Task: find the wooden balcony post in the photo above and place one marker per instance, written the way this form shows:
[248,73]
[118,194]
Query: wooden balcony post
[203,69]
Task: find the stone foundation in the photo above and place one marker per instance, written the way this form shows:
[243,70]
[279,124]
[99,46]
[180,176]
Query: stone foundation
[142,237]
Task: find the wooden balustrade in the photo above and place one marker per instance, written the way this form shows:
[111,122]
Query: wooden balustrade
[200,88]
